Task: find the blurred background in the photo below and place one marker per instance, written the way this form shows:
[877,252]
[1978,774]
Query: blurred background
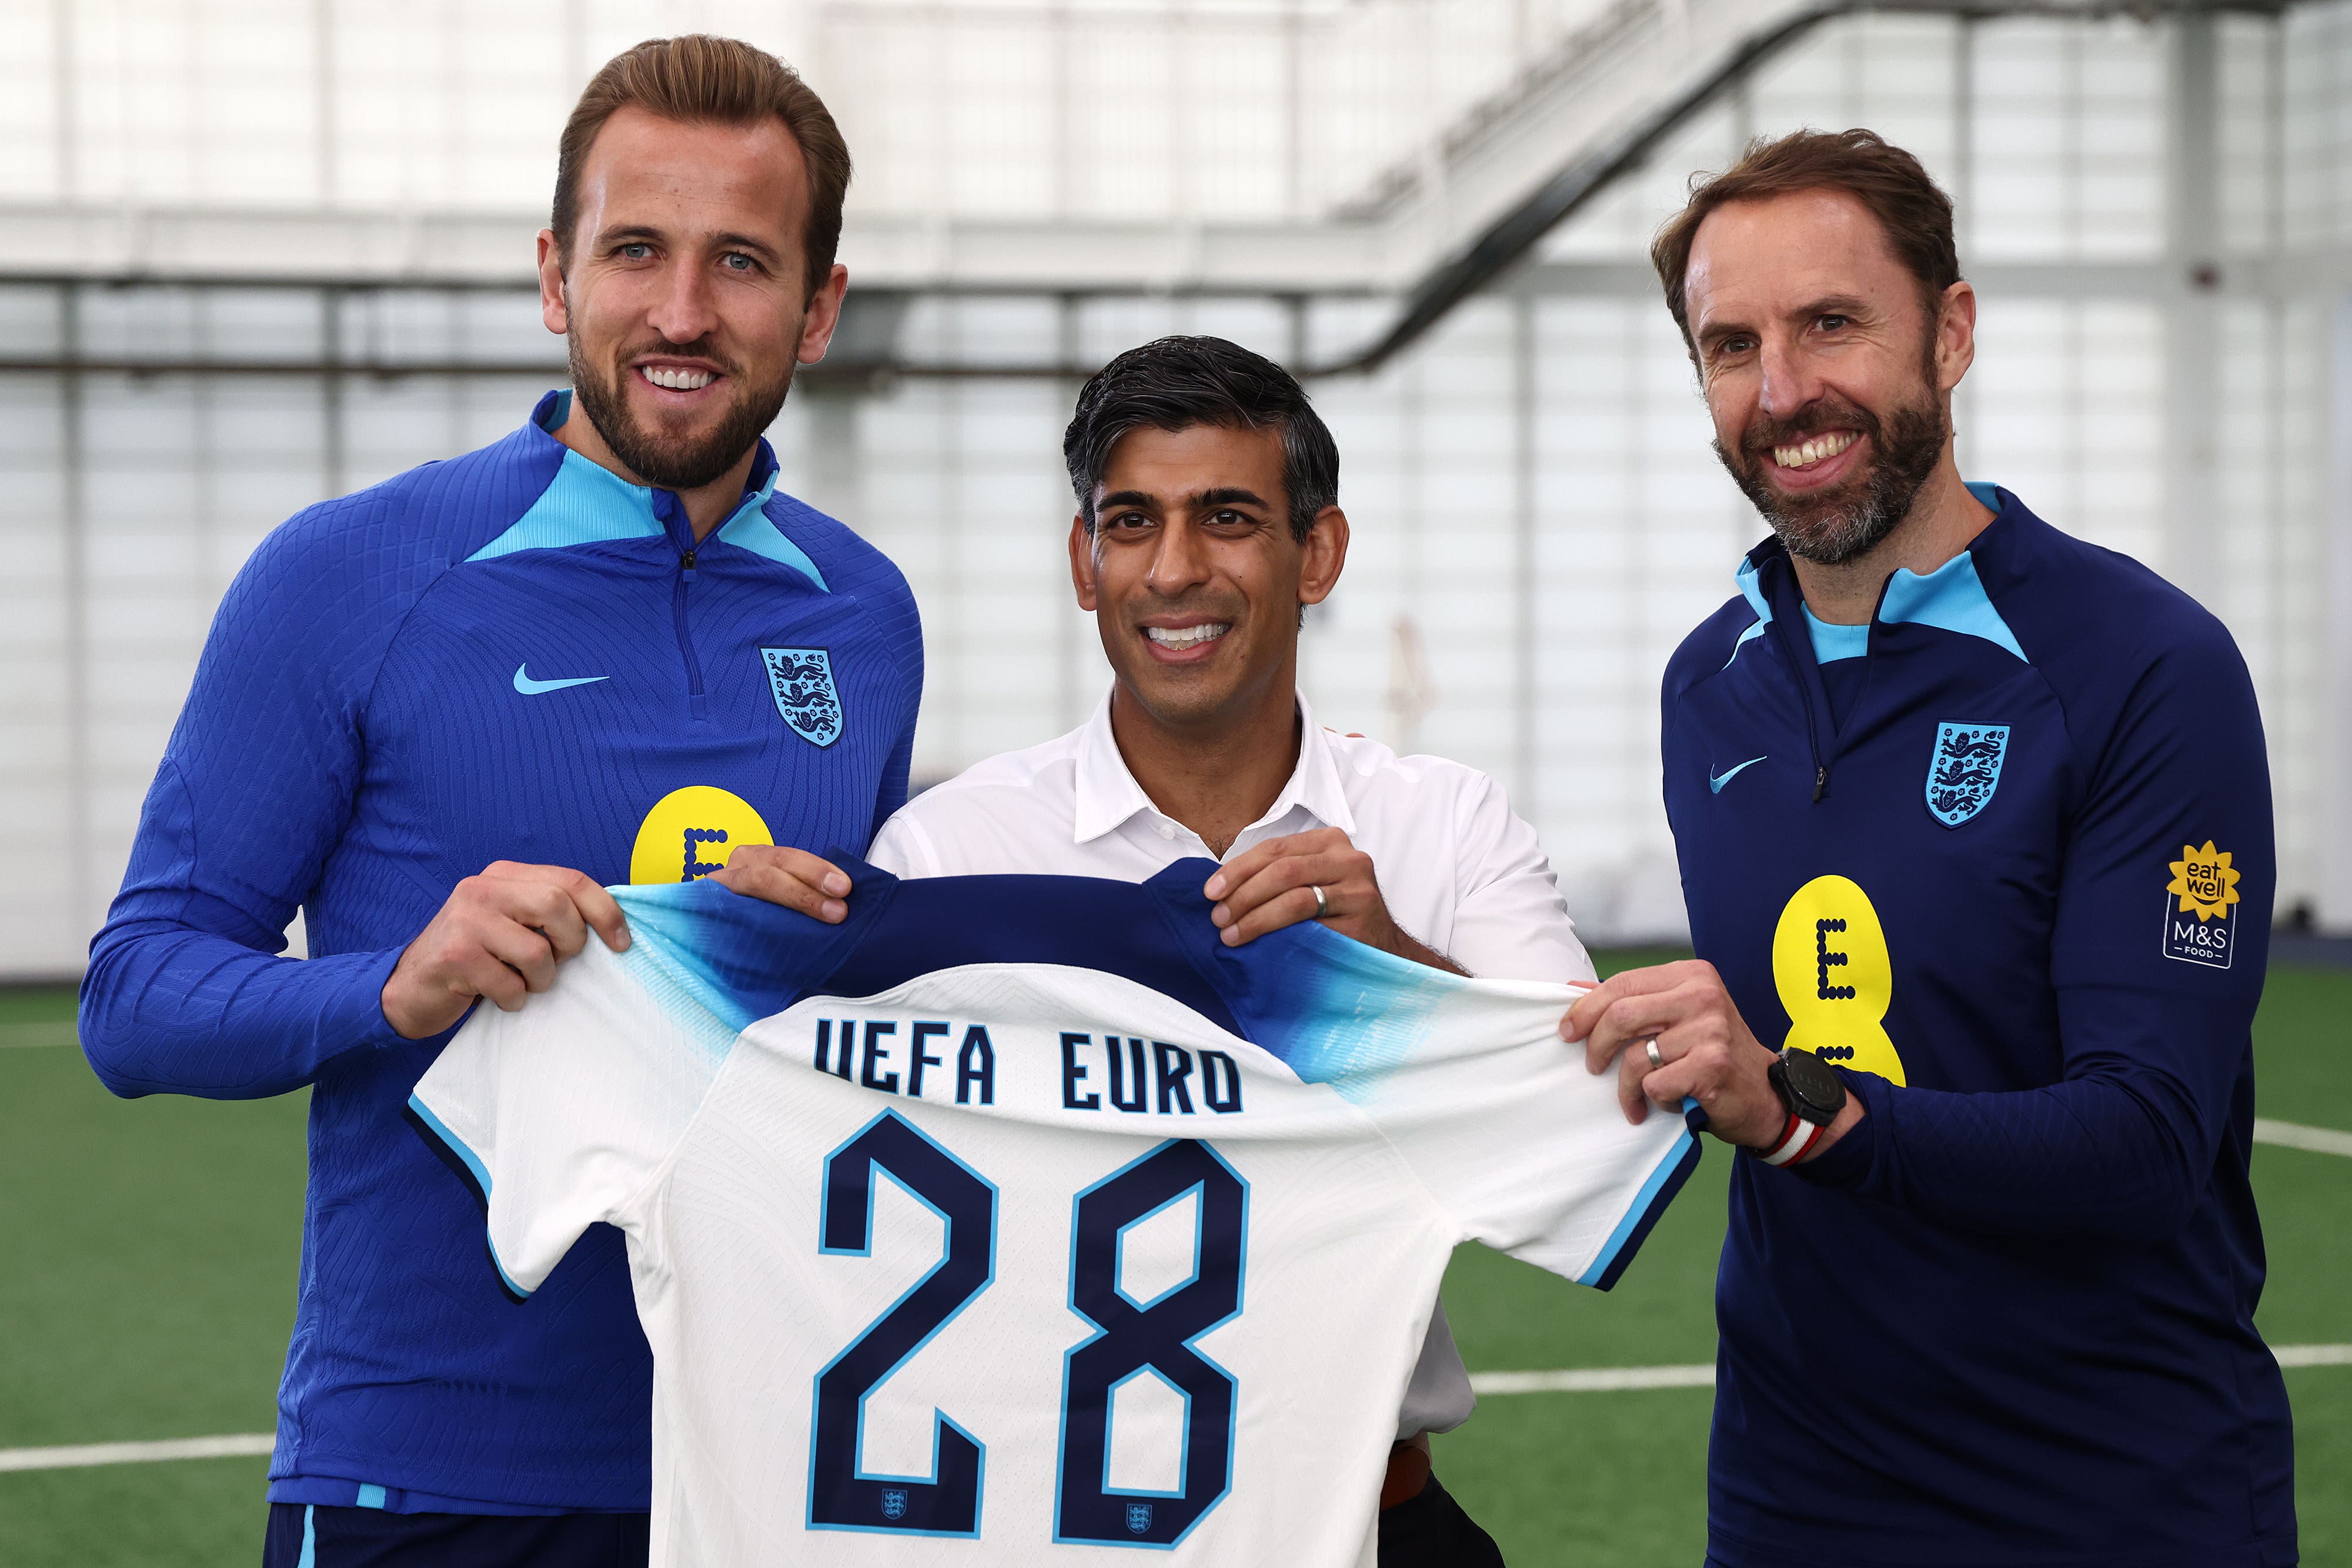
[257,252]
[254,252]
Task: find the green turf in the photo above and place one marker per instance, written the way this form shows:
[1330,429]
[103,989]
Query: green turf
[156,1242]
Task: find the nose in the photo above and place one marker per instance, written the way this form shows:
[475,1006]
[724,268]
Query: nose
[1790,380]
[681,311]
[1180,559]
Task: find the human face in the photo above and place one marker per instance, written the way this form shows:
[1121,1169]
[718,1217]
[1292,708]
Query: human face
[1828,373]
[682,295]
[1193,575]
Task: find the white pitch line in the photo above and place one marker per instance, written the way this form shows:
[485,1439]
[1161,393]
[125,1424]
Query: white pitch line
[2288,1135]
[13,1035]
[242,1445]
[1572,1380]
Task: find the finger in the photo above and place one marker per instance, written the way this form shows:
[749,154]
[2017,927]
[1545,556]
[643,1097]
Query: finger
[814,870]
[774,881]
[596,906]
[523,948]
[481,974]
[1289,909]
[551,909]
[1633,1069]
[1587,1010]
[1257,857]
[1330,870]
[1637,1015]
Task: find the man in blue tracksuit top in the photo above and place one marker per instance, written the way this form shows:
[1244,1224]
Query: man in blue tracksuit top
[437,715]
[1975,831]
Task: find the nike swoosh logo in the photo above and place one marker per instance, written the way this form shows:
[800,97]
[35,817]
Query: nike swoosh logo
[1716,781]
[531,688]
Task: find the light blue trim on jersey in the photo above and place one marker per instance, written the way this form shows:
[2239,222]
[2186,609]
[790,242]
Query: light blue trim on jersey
[370,1495]
[1987,495]
[1833,642]
[753,529]
[1639,1210]
[1751,590]
[309,1558]
[457,1145]
[1951,597]
[1352,1014]
[585,504]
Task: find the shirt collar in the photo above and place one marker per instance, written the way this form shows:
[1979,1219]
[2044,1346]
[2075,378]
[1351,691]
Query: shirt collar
[1108,794]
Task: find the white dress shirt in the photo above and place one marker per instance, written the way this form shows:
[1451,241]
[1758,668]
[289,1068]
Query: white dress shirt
[1459,872]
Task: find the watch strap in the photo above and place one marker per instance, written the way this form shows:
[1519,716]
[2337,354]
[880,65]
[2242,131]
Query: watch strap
[1795,1139]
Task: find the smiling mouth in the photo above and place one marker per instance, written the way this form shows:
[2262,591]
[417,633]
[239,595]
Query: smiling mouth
[1814,449]
[677,379]
[1176,639]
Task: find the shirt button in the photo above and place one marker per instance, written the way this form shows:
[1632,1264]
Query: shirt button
[1166,831]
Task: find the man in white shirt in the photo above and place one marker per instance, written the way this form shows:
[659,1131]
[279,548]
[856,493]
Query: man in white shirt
[1208,518]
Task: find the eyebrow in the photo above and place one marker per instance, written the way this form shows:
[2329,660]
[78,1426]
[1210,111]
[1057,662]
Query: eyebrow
[1198,500]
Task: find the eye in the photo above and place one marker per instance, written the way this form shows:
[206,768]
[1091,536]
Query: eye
[1128,520]
[736,261]
[635,250]
[1832,323]
[1737,343]
[1229,518]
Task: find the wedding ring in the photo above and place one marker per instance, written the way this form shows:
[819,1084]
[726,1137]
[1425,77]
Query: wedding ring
[1322,904]
[1650,1046]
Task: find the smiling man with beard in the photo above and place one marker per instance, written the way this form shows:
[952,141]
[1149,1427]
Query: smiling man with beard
[438,716]
[1975,831]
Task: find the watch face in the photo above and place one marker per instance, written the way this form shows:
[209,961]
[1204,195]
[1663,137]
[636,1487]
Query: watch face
[1818,1092]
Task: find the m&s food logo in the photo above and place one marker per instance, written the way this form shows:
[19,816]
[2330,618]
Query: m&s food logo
[2200,907]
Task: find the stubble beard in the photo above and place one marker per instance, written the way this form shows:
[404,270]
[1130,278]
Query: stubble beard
[1841,524]
[668,462]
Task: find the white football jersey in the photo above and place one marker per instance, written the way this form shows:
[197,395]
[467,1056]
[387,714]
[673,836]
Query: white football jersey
[1018,1220]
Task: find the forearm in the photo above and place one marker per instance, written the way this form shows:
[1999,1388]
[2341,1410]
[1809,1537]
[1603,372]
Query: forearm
[169,1009]
[2094,1158]
[1406,946]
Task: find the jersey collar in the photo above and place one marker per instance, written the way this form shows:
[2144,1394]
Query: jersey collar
[1108,796]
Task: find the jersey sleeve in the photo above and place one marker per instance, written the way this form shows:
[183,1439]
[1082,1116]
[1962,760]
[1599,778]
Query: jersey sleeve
[185,991]
[1469,1082]
[2157,960]
[1510,921]
[556,1115]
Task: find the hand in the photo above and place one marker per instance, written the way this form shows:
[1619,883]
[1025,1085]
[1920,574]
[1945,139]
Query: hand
[1710,1054]
[499,936]
[1272,884]
[793,878]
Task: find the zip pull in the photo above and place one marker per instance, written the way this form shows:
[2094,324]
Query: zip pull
[686,565]
[1820,783]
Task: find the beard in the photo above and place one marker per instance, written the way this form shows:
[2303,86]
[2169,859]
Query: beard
[1838,525]
[676,462]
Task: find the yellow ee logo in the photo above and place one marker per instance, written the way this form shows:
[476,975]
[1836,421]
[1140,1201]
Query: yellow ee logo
[690,832]
[1830,968]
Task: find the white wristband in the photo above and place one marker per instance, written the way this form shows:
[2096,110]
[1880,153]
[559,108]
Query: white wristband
[1792,1146]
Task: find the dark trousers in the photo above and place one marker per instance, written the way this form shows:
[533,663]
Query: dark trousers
[1431,1531]
[302,1536]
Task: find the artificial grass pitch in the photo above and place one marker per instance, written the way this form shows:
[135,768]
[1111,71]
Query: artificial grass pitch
[153,1246]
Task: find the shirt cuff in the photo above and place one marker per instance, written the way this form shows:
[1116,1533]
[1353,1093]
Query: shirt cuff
[355,1016]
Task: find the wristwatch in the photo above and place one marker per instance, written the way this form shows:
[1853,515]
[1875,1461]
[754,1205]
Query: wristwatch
[1814,1094]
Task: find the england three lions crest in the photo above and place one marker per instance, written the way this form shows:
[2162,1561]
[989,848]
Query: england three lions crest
[801,681]
[1964,769]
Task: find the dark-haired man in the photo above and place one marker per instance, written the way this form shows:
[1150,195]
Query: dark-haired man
[1974,824]
[1208,516]
[439,715]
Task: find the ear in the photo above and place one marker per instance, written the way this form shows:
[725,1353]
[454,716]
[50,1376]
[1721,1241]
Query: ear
[1326,556]
[1082,563]
[553,309]
[823,315]
[1956,336]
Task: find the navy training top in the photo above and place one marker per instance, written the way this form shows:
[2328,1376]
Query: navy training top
[2005,855]
[514,654]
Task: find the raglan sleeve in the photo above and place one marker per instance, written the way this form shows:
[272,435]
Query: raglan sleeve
[186,992]
[2157,961]
[555,1116]
[1512,1138]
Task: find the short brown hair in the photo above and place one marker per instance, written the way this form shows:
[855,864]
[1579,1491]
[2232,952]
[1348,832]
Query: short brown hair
[1910,206]
[704,80]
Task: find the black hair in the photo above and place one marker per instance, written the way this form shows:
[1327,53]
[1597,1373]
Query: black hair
[1175,384]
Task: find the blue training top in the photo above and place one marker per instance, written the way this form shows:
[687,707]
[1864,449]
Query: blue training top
[515,655]
[2005,855]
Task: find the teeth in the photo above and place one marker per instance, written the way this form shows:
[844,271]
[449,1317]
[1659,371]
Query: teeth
[676,381]
[1807,452]
[1190,636]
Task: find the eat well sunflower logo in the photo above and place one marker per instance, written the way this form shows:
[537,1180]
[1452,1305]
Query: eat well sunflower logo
[2204,880]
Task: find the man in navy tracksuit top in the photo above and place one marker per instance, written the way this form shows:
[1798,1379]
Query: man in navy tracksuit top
[437,715]
[1975,831]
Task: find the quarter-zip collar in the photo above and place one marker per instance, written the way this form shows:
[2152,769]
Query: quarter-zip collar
[662,510]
